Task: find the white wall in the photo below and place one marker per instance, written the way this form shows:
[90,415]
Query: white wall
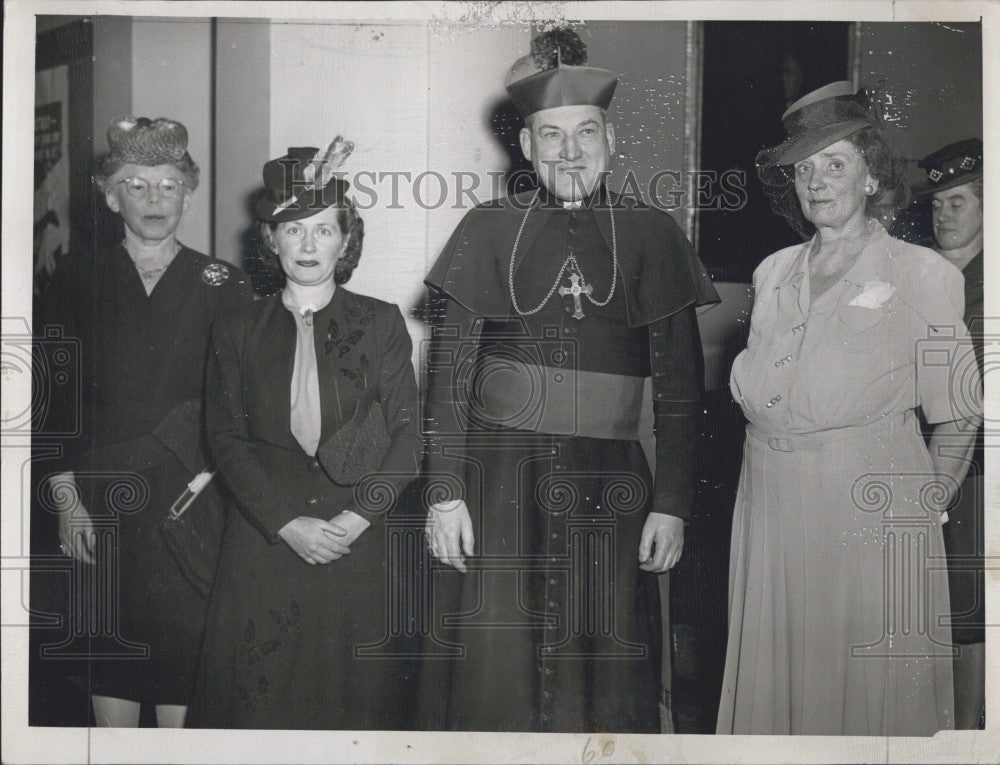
[403,95]
[171,62]
[243,134]
[112,75]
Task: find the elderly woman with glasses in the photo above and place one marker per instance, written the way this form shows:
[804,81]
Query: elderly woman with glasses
[140,313]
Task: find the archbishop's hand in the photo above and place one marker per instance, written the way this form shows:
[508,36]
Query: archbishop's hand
[314,540]
[449,529]
[661,543]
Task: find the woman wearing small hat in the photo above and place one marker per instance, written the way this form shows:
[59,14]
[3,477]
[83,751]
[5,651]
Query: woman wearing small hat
[835,604]
[141,312]
[299,385]
[954,184]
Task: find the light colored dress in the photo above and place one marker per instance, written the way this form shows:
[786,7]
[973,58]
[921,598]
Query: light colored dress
[838,591]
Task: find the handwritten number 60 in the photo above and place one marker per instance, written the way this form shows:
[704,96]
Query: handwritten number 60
[589,753]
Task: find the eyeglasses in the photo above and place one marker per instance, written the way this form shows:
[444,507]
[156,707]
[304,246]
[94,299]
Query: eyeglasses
[139,187]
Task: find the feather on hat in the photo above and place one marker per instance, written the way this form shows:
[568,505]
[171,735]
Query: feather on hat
[303,182]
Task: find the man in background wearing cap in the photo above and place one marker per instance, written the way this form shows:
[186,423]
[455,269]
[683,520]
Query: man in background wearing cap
[551,308]
[954,184]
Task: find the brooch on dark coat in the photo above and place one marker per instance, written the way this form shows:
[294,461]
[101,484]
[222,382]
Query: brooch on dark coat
[214,274]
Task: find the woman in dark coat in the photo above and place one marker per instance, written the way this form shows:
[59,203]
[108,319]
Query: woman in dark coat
[309,391]
[141,312]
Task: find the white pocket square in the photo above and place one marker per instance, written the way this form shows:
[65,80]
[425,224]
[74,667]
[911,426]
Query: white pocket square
[874,295]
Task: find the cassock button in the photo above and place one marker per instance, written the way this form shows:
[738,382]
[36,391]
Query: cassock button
[548,671]
[311,501]
[314,465]
[547,694]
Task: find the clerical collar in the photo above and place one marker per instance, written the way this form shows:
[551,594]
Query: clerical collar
[549,200]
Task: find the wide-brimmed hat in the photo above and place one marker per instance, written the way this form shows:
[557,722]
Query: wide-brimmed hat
[303,182]
[553,75]
[820,118]
[950,166]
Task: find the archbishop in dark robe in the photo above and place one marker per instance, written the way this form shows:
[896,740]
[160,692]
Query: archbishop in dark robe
[551,309]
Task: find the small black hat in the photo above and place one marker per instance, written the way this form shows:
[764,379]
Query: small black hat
[953,165]
[303,182]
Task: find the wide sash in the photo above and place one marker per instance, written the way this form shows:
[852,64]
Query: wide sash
[543,399]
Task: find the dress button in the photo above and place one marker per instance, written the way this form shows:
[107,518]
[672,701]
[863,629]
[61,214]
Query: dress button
[548,671]
[314,465]
[311,501]
[547,694]
[552,604]
[552,581]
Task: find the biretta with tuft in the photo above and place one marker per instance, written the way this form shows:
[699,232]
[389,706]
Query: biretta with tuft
[554,74]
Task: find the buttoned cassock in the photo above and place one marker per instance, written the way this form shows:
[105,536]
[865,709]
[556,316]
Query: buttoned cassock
[555,615]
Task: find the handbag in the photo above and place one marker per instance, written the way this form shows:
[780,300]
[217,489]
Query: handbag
[357,448]
[194,536]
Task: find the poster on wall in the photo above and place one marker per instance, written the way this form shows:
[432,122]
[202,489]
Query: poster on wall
[50,233]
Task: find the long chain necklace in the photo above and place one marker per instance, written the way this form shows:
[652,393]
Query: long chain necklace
[580,285]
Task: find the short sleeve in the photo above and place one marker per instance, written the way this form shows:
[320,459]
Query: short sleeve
[949,383]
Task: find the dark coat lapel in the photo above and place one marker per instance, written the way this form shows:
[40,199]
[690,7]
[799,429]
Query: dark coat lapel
[269,357]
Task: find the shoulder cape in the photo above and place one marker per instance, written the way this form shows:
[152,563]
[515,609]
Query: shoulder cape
[658,268]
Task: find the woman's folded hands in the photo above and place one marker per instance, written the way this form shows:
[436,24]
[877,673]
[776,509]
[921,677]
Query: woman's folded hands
[318,541]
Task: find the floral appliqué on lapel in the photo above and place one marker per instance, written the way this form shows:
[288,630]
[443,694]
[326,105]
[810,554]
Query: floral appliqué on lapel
[341,341]
[359,374]
[363,314]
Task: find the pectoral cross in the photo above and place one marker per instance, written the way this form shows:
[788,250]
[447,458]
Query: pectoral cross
[576,289]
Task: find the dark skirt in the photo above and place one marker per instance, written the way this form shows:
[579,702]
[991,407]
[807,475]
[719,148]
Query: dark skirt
[294,646]
[554,627]
[147,618]
[965,547]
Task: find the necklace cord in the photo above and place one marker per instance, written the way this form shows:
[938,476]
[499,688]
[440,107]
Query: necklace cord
[570,261]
